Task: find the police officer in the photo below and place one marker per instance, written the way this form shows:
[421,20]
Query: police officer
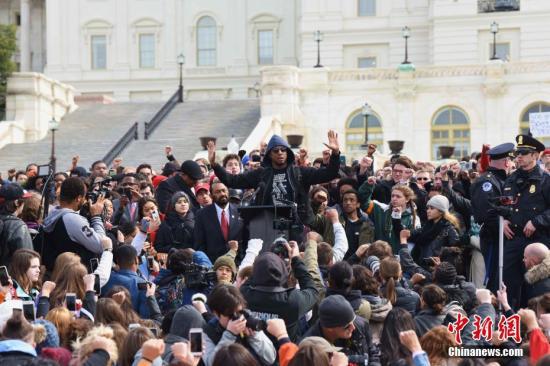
[484,191]
[528,220]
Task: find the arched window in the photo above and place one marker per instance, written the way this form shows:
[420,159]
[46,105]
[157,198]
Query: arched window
[451,127]
[537,107]
[206,41]
[355,133]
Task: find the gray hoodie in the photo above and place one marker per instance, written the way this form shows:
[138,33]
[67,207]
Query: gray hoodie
[78,228]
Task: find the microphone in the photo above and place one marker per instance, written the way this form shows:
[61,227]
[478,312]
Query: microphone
[252,197]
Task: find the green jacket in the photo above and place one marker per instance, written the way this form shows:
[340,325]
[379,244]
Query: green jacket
[323,226]
[381,215]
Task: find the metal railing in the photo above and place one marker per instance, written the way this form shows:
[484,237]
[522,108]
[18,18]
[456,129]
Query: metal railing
[122,143]
[163,112]
[490,6]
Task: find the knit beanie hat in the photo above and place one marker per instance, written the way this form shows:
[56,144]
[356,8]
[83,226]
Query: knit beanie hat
[445,274]
[439,202]
[227,261]
[51,337]
[335,311]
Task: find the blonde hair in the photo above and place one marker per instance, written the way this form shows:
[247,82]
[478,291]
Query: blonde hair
[409,196]
[84,348]
[452,219]
[436,343]
[62,318]
[62,261]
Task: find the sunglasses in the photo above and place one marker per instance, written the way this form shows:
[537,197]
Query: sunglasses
[277,150]
[422,178]
[523,152]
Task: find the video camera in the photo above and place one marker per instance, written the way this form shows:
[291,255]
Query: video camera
[252,322]
[104,190]
[197,276]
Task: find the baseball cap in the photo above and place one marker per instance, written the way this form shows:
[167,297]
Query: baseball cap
[169,168]
[201,186]
[320,342]
[12,192]
[192,169]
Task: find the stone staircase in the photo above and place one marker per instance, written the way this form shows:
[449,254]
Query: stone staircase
[89,132]
[187,122]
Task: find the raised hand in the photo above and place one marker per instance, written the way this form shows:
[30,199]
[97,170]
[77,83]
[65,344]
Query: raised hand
[211,146]
[333,142]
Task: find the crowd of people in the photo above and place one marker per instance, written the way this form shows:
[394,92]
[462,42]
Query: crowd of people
[381,262]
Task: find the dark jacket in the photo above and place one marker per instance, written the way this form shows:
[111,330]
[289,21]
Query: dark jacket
[300,179]
[427,319]
[207,232]
[382,193]
[531,191]
[14,234]
[430,238]
[15,352]
[168,187]
[268,297]
[360,305]
[462,292]
[537,280]
[359,344]
[406,298]
[175,232]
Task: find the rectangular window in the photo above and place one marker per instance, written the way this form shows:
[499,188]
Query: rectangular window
[366,62]
[265,47]
[206,44]
[366,8]
[503,51]
[99,52]
[18,19]
[146,50]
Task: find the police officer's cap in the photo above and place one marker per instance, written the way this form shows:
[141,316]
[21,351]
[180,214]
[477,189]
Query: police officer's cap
[528,143]
[501,151]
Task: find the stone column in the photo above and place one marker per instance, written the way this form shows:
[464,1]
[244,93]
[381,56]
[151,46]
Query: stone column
[25,36]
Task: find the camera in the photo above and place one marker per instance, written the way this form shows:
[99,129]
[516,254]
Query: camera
[197,276]
[358,359]
[104,190]
[278,247]
[252,322]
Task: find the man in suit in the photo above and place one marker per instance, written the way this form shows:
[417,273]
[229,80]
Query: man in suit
[126,207]
[189,174]
[217,223]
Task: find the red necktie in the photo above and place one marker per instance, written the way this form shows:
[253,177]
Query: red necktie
[225,226]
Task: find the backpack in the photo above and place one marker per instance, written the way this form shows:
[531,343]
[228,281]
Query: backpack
[170,294]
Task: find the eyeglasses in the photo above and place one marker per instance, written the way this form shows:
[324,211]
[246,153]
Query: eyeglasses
[422,178]
[522,152]
[277,150]
[320,198]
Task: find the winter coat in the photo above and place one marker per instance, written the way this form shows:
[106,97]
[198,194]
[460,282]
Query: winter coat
[427,319]
[268,297]
[431,238]
[462,292]
[15,352]
[14,234]
[359,344]
[380,308]
[381,213]
[360,306]
[300,179]
[406,298]
[537,280]
[175,232]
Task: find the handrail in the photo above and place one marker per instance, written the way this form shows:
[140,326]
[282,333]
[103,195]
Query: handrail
[163,112]
[121,144]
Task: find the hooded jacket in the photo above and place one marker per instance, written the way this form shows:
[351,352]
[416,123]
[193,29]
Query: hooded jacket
[15,352]
[537,279]
[380,308]
[175,232]
[66,230]
[269,298]
[299,178]
[14,234]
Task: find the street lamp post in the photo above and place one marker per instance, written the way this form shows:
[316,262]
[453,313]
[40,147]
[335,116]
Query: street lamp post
[406,33]
[318,37]
[53,125]
[366,111]
[181,61]
[494,30]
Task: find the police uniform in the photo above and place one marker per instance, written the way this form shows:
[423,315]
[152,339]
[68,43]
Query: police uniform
[483,192]
[530,193]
